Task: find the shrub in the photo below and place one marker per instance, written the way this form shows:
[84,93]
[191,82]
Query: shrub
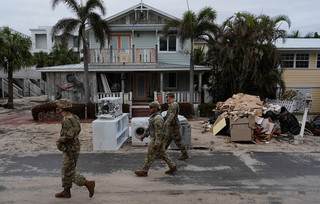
[206,109]
[185,109]
[42,108]
[77,109]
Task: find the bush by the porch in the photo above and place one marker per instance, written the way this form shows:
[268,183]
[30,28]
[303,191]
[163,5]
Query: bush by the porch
[185,109]
[206,109]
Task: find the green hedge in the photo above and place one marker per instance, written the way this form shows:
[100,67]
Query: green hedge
[42,108]
[185,109]
[77,109]
[206,109]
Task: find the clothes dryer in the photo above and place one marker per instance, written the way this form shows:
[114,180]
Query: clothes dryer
[138,127]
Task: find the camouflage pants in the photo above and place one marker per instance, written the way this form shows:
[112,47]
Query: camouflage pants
[173,133]
[69,174]
[160,153]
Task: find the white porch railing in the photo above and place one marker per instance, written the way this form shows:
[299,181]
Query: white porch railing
[130,55]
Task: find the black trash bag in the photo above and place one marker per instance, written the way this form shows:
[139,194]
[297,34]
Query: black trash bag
[272,115]
[288,122]
[215,117]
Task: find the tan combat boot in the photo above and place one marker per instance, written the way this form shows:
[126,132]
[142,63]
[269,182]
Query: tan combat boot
[171,170]
[64,194]
[90,186]
[183,157]
[141,173]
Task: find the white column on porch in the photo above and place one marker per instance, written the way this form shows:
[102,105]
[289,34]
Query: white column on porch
[122,82]
[200,86]
[161,82]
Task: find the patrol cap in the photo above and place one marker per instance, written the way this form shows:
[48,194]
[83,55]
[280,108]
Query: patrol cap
[63,103]
[154,104]
[170,94]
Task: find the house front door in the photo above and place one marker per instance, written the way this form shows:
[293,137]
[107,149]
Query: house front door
[141,86]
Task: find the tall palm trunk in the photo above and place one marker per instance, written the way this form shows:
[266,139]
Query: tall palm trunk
[10,89]
[86,72]
[191,84]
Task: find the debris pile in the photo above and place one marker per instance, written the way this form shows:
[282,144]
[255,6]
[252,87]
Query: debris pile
[246,118]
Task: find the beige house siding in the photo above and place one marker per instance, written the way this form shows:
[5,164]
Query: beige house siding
[303,77]
[313,60]
[315,107]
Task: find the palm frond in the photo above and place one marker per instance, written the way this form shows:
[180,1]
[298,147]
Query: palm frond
[65,26]
[92,5]
[100,28]
[72,4]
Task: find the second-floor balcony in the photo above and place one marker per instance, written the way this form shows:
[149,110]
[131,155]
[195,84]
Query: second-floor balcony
[124,55]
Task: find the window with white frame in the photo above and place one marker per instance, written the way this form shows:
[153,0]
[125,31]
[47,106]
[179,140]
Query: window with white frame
[168,44]
[295,60]
[302,60]
[318,61]
[287,60]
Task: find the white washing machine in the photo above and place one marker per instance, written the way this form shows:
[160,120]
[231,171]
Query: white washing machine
[138,127]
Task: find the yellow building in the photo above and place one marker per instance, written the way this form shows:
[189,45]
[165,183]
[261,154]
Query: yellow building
[301,67]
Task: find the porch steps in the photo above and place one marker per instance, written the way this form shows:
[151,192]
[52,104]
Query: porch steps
[140,110]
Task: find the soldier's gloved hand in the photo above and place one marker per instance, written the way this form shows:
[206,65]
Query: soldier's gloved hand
[155,147]
[142,137]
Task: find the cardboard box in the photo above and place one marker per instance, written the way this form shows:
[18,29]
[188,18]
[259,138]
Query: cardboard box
[242,129]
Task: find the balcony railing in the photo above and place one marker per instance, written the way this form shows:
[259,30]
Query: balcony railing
[125,55]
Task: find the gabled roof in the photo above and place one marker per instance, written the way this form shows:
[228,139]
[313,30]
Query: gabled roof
[137,7]
[299,44]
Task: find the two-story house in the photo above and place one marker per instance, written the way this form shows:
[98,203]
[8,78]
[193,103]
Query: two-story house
[137,60]
[301,67]
[42,40]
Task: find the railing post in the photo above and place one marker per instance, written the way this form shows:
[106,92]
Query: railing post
[111,54]
[133,54]
[155,98]
[157,56]
[130,104]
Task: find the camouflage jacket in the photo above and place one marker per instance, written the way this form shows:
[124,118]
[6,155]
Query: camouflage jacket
[155,128]
[171,119]
[69,133]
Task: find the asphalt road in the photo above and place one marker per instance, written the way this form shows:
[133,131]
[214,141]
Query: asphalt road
[225,176]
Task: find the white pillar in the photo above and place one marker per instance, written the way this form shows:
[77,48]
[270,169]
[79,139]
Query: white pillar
[200,86]
[122,82]
[161,81]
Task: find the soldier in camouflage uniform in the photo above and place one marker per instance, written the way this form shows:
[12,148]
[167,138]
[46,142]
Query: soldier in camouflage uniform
[172,127]
[68,142]
[156,145]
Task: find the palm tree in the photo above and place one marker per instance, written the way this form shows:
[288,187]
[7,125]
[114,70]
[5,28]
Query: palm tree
[244,55]
[60,55]
[192,27]
[86,16]
[14,54]
[42,59]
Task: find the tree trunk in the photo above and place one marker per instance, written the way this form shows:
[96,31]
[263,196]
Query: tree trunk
[191,73]
[86,73]
[9,105]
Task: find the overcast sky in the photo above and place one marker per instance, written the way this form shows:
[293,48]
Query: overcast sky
[22,15]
